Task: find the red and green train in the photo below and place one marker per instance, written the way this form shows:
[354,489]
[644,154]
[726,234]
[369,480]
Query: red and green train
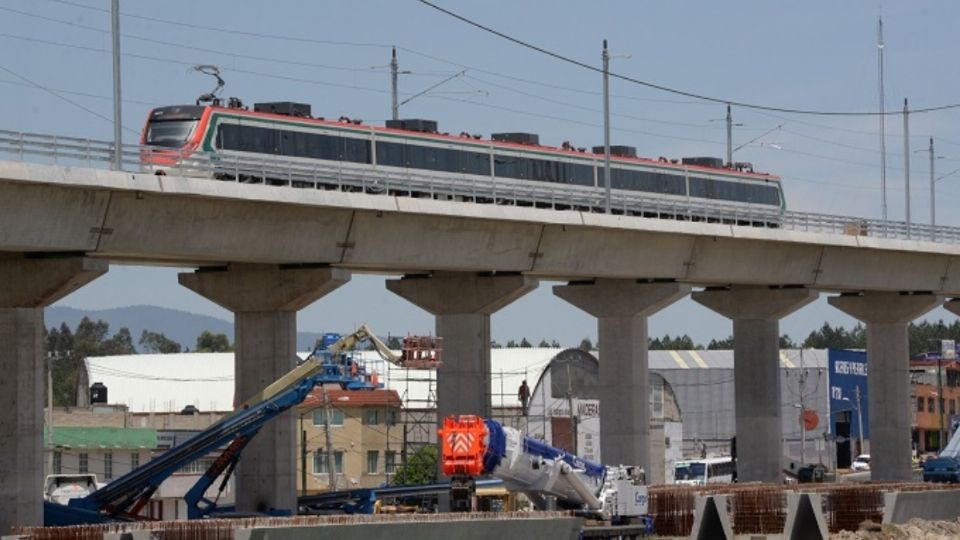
[286,130]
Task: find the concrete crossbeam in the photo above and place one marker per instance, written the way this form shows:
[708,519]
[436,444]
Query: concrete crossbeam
[622,308]
[756,314]
[265,300]
[462,305]
[887,316]
[27,286]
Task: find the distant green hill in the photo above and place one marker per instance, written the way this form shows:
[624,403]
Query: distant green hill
[180,326]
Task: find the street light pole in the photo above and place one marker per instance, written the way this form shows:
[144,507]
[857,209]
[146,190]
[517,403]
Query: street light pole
[606,126]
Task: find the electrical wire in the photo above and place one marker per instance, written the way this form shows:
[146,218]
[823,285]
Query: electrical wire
[231,31]
[196,48]
[64,98]
[662,88]
[86,95]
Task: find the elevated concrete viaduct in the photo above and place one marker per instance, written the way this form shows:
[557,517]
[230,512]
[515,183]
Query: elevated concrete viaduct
[265,252]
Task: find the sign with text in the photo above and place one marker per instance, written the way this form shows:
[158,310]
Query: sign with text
[847,377]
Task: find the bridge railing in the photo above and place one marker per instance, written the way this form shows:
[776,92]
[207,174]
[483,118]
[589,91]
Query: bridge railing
[314,174]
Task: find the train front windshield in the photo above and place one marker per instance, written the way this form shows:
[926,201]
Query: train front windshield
[169,133]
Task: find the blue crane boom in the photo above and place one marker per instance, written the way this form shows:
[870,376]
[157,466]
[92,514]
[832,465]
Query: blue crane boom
[122,499]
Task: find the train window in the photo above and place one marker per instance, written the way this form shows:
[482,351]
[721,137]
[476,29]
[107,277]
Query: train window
[250,139]
[651,182]
[355,150]
[734,191]
[390,154]
[475,163]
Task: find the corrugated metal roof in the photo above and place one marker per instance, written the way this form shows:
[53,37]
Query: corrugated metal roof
[103,437]
[166,382]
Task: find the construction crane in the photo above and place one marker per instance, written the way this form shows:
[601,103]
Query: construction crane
[472,447]
[417,352]
[124,498]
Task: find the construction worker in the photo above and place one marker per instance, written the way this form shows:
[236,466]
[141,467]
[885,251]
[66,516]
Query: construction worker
[523,394]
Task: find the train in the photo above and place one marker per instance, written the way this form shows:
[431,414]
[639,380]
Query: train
[288,131]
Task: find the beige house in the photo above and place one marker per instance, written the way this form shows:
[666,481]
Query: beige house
[366,436]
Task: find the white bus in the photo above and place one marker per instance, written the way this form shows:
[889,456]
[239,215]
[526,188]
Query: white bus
[699,472]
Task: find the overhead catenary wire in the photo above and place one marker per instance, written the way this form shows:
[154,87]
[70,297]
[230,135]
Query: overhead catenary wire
[670,90]
[63,98]
[411,51]
[470,102]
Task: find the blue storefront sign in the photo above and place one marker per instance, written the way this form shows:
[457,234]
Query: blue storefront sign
[847,377]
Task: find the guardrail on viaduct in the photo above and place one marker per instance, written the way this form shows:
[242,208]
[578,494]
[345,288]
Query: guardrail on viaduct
[312,174]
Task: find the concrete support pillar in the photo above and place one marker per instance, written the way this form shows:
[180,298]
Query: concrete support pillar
[265,300]
[887,316]
[622,307]
[756,314]
[26,286]
[462,304]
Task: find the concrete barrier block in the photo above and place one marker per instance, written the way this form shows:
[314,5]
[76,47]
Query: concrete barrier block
[805,519]
[900,507]
[710,519]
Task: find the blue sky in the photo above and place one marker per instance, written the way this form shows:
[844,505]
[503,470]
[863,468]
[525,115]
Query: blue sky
[818,55]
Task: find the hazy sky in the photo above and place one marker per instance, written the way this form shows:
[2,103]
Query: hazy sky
[817,55]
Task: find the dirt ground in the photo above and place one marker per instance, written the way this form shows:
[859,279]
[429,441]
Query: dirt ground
[915,528]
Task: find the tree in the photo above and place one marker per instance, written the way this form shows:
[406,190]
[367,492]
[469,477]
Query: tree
[394,343]
[543,343]
[586,344]
[680,343]
[209,342]
[153,342]
[511,344]
[67,351]
[525,344]
[786,342]
[421,468]
[721,344]
[120,343]
[555,344]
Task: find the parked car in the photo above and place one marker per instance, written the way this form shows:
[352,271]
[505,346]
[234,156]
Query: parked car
[941,469]
[861,463]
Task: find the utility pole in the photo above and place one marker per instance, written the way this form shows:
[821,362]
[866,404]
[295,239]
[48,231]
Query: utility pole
[50,445]
[573,416]
[606,129]
[856,393]
[331,464]
[940,399]
[883,139]
[803,410]
[729,137]
[117,128]
[906,159]
[393,80]
[933,197]
[303,458]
